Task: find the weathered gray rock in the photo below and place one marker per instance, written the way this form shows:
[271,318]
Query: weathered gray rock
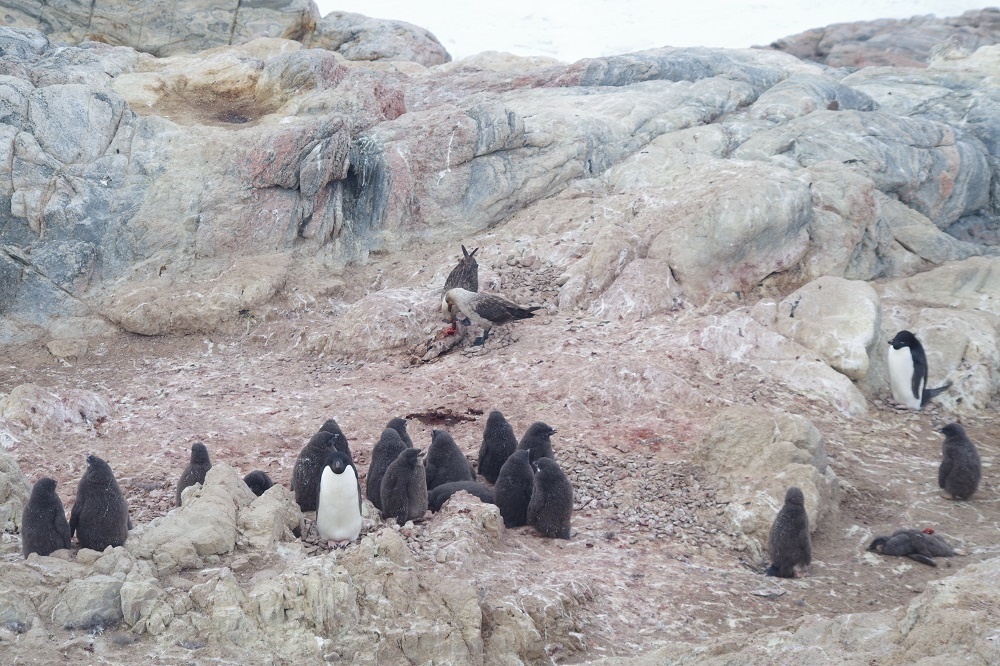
[88,603]
[752,338]
[936,170]
[31,406]
[307,162]
[359,37]
[953,310]
[802,94]
[194,26]
[165,29]
[270,519]
[836,318]
[14,492]
[758,455]
[972,284]
[899,42]
[205,524]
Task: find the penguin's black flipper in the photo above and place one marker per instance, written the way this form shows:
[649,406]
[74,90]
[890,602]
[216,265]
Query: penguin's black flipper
[923,559]
[930,393]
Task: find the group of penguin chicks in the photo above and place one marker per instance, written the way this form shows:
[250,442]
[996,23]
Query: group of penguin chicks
[99,517]
[959,474]
[528,486]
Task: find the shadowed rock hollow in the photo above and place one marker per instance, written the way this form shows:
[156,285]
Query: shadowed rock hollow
[234,233]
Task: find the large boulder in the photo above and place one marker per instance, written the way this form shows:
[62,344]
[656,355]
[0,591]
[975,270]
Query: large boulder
[836,318]
[756,455]
[359,37]
[204,525]
[33,407]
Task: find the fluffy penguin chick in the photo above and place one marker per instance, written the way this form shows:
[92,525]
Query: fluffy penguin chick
[908,371]
[551,505]
[404,488]
[99,517]
[536,440]
[399,425]
[445,462]
[916,545]
[44,529]
[309,467]
[499,442]
[259,482]
[341,443]
[196,470]
[960,469]
[788,543]
[513,489]
[486,310]
[338,518]
[441,494]
[387,449]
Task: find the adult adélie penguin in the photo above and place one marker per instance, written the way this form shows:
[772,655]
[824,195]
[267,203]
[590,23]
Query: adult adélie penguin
[338,516]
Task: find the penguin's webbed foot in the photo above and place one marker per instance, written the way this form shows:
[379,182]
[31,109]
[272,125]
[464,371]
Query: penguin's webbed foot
[481,340]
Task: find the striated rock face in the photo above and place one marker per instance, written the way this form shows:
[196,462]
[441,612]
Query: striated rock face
[184,194]
[909,42]
[188,27]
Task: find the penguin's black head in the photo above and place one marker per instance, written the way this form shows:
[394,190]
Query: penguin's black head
[412,456]
[330,425]
[541,429]
[525,455]
[877,545]
[952,430]
[546,465]
[794,496]
[398,424]
[338,462]
[322,440]
[904,339]
[44,485]
[92,459]
[199,453]
[440,436]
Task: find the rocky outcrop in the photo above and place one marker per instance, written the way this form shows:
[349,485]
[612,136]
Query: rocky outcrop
[33,407]
[359,37]
[294,163]
[953,310]
[14,491]
[165,30]
[376,598]
[895,42]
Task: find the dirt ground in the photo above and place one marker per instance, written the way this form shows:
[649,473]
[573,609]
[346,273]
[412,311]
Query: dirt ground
[630,404]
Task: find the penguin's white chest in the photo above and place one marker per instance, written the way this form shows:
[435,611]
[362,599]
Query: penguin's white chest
[901,377]
[338,517]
